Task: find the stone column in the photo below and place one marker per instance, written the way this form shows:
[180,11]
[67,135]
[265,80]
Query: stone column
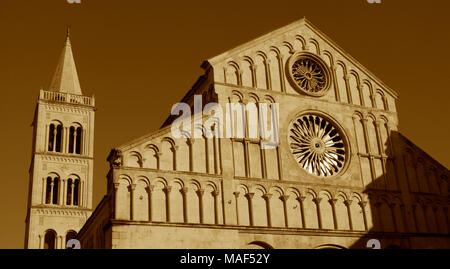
[184,191]
[302,210]
[46,137]
[216,206]
[72,188]
[363,208]
[282,76]
[190,143]
[150,204]
[200,200]
[61,191]
[216,156]
[74,140]
[208,169]
[51,192]
[250,206]
[44,189]
[167,192]
[347,86]
[132,207]
[236,196]
[253,70]
[285,198]
[319,217]
[54,137]
[81,194]
[40,242]
[348,204]
[116,200]
[267,197]
[268,76]
[333,209]
[335,83]
[174,157]
[360,93]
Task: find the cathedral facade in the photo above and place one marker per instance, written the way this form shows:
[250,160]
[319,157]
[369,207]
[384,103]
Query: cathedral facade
[338,174]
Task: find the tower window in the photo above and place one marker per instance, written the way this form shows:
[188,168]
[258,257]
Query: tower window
[76,191]
[78,141]
[52,190]
[73,192]
[48,190]
[69,191]
[55,137]
[50,239]
[70,235]
[75,139]
[55,190]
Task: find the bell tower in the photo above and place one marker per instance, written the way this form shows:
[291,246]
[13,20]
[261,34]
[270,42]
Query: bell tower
[62,159]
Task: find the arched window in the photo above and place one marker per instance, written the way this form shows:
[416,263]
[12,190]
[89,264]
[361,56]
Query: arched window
[78,140]
[73,191]
[76,187]
[70,235]
[48,190]
[52,190]
[69,191]
[55,190]
[55,137]
[75,139]
[50,239]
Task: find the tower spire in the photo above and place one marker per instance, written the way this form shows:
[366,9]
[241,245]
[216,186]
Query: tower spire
[65,78]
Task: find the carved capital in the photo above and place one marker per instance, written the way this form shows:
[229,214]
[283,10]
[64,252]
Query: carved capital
[184,190]
[362,204]
[250,195]
[132,187]
[167,189]
[348,202]
[267,196]
[317,200]
[332,201]
[284,197]
[150,188]
[200,192]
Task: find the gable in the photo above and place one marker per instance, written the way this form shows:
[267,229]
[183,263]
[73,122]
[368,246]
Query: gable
[263,63]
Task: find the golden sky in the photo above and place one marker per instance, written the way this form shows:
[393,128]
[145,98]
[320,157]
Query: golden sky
[140,57]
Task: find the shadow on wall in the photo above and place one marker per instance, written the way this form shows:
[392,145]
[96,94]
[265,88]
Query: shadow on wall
[408,200]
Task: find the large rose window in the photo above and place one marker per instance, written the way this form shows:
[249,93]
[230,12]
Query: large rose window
[317,145]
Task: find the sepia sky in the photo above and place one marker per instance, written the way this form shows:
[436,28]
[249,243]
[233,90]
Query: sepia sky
[140,57]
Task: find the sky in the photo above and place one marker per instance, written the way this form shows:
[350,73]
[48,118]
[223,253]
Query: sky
[141,57]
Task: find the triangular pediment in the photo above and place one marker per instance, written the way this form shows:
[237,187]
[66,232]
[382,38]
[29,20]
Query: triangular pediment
[299,36]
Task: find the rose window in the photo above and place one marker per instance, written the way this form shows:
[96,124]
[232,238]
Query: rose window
[309,74]
[317,145]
